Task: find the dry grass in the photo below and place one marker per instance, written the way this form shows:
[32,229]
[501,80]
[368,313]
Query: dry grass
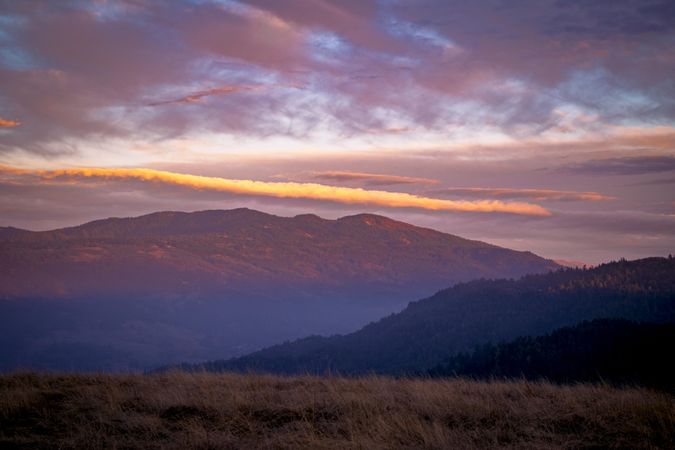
[180,410]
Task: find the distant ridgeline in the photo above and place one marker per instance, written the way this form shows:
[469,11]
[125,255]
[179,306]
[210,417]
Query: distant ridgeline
[472,314]
[611,350]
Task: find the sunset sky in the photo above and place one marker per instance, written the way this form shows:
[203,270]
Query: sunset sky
[542,125]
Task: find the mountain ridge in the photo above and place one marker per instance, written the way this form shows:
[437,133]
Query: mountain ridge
[474,313]
[236,213]
[240,246]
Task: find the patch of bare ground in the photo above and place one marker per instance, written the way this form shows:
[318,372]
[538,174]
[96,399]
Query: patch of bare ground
[222,411]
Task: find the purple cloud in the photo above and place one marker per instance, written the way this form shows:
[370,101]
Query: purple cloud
[77,71]
[634,165]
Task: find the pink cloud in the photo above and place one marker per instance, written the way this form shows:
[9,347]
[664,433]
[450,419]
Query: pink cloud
[9,123]
[197,96]
[376,65]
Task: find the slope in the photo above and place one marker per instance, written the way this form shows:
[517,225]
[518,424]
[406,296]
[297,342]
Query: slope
[607,350]
[475,313]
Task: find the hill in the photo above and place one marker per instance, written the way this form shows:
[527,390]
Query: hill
[616,351]
[185,411]
[476,313]
[132,293]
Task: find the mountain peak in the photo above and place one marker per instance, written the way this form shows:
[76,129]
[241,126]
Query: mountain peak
[309,217]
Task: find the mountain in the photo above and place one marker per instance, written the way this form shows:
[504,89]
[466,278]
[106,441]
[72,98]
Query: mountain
[128,293]
[476,313]
[617,351]
[169,253]
[8,232]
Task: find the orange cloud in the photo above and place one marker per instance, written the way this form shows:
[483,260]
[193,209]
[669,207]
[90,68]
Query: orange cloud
[9,123]
[13,170]
[311,191]
[371,178]
[533,194]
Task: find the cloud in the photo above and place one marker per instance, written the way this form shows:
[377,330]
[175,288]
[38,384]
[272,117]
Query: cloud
[656,182]
[289,190]
[592,235]
[84,70]
[627,223]
[9,170]
[197,96]
[634,165]
[533,194]
[9,123]
[370,179]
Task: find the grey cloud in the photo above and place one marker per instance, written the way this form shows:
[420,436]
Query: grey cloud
[635,165]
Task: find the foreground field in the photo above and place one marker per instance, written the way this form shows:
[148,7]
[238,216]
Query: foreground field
[179,410]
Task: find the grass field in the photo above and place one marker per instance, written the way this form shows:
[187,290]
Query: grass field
[181,410]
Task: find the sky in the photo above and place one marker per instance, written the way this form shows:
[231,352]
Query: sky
[541,125]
